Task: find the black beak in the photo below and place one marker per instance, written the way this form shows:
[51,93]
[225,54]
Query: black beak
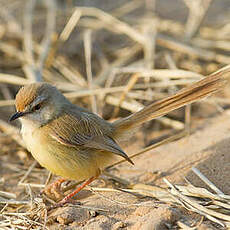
[16,116]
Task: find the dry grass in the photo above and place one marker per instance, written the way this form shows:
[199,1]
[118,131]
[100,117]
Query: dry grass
[100,58]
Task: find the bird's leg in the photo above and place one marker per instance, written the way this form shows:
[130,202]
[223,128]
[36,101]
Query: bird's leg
[68,198]
[54,189]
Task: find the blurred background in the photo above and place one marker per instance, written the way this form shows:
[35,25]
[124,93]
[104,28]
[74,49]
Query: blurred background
[84,46]
[112,57]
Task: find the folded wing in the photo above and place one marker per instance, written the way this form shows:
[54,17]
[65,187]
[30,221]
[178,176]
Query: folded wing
[85,130]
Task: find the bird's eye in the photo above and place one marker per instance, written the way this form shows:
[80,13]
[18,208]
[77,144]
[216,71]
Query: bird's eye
[36,107]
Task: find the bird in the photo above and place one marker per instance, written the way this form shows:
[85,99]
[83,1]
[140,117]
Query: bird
[76,144]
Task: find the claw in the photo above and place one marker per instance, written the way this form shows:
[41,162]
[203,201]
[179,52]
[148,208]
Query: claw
[68,198]
[54,190]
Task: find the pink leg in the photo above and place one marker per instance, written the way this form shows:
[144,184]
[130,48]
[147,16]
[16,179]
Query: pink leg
[68,197]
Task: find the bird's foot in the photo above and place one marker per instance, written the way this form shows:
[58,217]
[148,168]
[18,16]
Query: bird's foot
[54,191]
[68,198]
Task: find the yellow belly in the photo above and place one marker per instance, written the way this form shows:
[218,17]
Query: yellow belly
[63,160]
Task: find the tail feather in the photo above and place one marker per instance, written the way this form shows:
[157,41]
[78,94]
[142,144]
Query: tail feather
[188,95]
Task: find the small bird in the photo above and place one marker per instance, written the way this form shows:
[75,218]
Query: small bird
[75,143]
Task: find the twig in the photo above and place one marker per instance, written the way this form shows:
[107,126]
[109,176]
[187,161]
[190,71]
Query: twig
[113,23]
[193,51]
[128,87]
[8,195]
[12,79]
[14,202]
[11,131]
[210,214]
[207,181]
[197,11]
[50,29]
[27,173]
[33,185]
[34,69]
[28,44]
[87,46]
[70,25]
[6,103]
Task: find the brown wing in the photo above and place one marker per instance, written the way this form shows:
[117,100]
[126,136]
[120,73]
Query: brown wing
[85,130]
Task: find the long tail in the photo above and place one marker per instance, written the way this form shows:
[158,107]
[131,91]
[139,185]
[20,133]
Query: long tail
[188,95]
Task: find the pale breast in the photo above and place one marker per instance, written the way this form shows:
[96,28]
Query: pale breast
[27,131]
[35,145]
